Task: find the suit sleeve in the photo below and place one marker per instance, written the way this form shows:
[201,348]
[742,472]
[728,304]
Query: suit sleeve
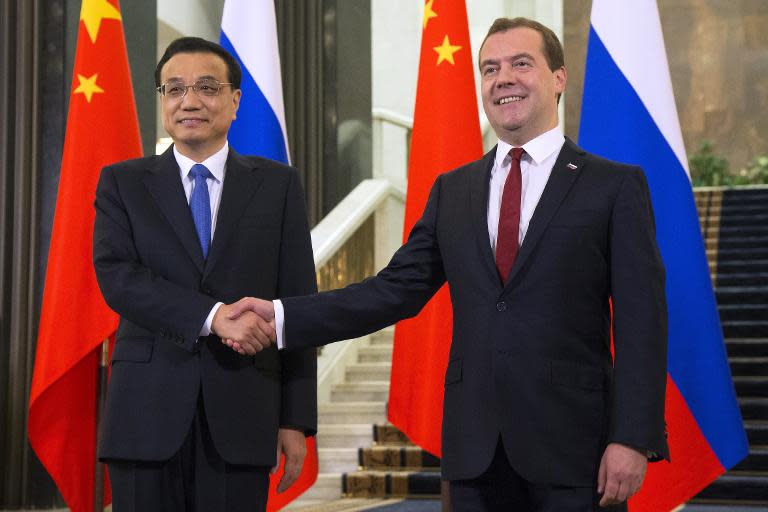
[130,288]
[399,291]
[639,322]
[297,277]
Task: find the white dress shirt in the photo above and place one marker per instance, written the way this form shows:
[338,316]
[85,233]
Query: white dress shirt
[217,164]
[535,165]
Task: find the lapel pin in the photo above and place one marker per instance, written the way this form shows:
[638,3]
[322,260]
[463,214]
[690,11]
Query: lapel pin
[571,166]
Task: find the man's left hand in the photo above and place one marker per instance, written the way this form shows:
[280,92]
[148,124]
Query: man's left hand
[292,444]
[621,473]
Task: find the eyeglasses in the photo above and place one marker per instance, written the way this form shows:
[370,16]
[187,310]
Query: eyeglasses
[176,89]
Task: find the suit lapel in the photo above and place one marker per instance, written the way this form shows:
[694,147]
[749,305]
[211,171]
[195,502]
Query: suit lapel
[164,185]
[240,183]
[565,171]
[480,177]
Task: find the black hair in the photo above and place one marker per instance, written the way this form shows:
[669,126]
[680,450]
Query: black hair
[199,45]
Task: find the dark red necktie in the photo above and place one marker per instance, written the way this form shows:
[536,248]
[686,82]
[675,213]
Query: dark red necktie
[509,217]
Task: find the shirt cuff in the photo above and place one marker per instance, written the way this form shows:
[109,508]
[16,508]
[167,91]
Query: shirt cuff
[279,324]
[207,327]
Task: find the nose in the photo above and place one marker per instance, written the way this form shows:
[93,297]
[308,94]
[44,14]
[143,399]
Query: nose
[506,75]
[190,101]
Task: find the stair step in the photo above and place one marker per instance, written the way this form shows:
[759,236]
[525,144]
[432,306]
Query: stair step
[722,211]
[378,353]
[743,220]
[350,435]
[747,312]
[756,460]
[739,231]
[749,366]
[368,371]
[757,431]
[337,460]
[383,337]
[388,434]
[352,412]
[738,487]
[753,408]
[380,484]
[742,266]
[742,295]
[743,242]
[396,457]
[745,329]
[371,391]
[751,386]
[327,487]
[742,279]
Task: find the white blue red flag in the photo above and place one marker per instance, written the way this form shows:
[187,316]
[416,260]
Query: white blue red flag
[249,32]
[629,115]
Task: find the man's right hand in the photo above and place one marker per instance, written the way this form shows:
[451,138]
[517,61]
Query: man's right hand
[248,333]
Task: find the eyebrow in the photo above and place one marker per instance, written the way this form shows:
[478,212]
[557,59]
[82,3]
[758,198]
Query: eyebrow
[488,62]
[179,79]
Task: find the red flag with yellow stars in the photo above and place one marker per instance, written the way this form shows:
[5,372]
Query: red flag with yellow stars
[446,135]
[102,128]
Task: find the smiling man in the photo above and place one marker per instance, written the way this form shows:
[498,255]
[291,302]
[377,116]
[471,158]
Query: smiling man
[190,425]
[536,240]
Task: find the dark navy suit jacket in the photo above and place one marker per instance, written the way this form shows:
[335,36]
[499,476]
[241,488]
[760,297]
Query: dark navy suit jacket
[151,271]
[530,359]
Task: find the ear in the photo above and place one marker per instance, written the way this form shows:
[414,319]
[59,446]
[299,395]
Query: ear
[236,102]
[560,76]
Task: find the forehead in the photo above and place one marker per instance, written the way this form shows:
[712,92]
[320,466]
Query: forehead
[512,42]
[194,65]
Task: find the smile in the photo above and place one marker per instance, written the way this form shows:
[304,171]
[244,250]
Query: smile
[508,99]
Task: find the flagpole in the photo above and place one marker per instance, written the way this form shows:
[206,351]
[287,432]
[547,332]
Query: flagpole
[101,396]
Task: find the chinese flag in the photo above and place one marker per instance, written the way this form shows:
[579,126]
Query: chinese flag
[102,128]
[446,135]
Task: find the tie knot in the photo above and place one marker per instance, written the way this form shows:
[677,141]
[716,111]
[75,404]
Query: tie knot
[516,153]
[200,171]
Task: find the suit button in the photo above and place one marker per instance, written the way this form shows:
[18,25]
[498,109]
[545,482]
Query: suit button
[501,306]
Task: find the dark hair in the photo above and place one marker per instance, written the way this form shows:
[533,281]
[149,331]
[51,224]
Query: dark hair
[553,50]
[199,45]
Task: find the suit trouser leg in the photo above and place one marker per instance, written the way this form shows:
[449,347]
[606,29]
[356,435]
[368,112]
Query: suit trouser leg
[498,488]
[195,479]
[501,488]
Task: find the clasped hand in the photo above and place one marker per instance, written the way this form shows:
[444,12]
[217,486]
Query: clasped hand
[246,326]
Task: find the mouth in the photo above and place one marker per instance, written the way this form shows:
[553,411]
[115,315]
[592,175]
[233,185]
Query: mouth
[191,121]
[508,99]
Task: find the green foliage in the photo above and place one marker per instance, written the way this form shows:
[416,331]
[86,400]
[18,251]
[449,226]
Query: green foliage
[756,172]
[708,169]
[711,170]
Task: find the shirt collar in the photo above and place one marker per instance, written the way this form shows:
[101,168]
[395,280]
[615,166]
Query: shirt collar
[538,149]
[215,163]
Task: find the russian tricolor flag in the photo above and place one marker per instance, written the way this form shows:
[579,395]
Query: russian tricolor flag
[249,32]
[629,115]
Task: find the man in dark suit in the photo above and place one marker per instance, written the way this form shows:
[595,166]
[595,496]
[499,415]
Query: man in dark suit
[189,424]
[534,239]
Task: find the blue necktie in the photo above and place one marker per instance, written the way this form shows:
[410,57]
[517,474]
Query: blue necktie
[200,204]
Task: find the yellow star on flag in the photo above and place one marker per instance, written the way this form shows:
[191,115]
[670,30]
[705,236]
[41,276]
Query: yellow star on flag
[88,86]
[93,11]
[428,13]
[445,51]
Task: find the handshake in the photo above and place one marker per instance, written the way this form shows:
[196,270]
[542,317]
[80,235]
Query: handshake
[246,326]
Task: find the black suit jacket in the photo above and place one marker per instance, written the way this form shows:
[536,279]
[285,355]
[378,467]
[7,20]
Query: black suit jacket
[151,271]
[530,360]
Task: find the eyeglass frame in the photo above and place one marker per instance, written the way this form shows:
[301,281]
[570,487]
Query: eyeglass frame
[161,89]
